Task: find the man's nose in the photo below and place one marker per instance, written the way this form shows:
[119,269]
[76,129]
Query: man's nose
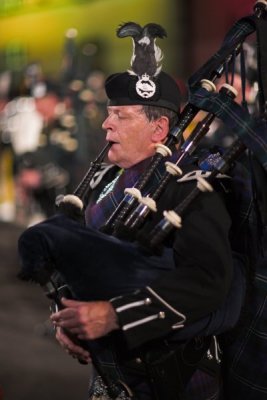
[107,123]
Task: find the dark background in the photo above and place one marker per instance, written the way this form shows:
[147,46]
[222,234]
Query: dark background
[32,365]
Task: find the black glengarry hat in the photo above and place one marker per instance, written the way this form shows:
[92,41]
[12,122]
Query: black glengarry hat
[144,83]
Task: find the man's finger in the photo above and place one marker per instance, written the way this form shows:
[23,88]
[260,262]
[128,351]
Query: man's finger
[70,303]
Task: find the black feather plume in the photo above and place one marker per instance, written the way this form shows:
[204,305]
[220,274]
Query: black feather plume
[129,29]
[147,55]
[155,30]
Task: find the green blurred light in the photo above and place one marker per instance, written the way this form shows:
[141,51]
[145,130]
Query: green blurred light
[17,7]
[42,26]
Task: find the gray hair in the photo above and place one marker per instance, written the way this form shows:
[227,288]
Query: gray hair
[154,112]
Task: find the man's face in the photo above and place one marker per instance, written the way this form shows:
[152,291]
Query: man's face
[131,135]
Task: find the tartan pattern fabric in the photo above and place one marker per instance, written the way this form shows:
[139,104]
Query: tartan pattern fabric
[237,34]
[245,375]
[244,236]
[245,359]
[250,130]
[98,213]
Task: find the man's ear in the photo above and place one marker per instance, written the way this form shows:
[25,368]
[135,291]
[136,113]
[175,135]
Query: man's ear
[161,129]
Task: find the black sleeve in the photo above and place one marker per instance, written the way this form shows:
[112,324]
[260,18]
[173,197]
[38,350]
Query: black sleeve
[198,285]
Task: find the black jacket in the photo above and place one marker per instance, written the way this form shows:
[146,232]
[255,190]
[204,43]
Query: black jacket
[200,282]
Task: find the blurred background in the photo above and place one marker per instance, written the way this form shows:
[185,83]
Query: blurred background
[54,58]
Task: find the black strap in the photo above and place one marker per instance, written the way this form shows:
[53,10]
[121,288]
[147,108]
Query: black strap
[261,29]
[243,78]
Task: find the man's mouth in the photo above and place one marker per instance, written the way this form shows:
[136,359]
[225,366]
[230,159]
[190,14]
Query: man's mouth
[112,143]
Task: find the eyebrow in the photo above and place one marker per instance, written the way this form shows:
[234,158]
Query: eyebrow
[116,110]
[111,108]
[122,111]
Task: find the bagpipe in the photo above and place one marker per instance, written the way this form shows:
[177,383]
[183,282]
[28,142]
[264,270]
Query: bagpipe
[116,260]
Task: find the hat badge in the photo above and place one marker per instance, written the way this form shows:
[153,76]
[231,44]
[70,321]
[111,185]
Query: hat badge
[145,87]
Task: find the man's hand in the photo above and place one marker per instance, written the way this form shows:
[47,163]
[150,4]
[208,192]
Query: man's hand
[86,320]
[72,348]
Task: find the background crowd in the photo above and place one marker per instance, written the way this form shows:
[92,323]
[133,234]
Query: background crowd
[49,131]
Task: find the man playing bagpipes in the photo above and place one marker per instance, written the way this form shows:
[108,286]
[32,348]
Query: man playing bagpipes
[146,312]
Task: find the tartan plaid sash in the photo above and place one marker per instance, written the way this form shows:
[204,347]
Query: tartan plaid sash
[252,131]
[236,35]
[113,193]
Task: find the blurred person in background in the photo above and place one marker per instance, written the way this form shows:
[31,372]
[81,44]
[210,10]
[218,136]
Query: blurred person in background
[25,119]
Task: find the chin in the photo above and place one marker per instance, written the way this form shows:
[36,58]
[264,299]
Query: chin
[114,159]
